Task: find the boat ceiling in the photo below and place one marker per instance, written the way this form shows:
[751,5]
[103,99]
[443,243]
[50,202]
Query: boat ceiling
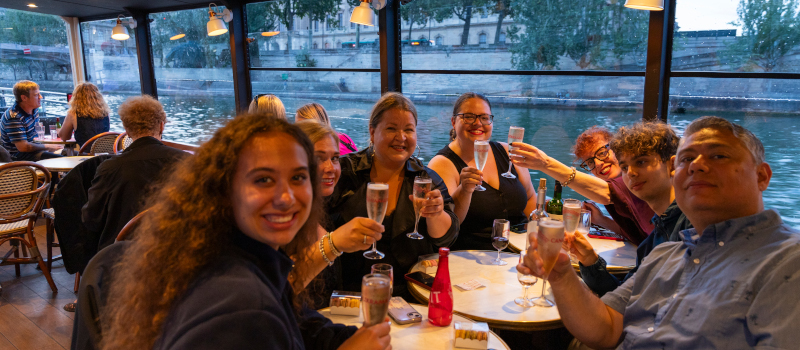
[97,9]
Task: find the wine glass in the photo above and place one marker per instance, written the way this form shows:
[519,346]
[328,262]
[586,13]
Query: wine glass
[422,185]
[550,238]
[500,230]
[526,281]
[377,202]
[572,213]
[515,134]
[481,155]
[584,222]
[40,131]
[376,291]
[384,269]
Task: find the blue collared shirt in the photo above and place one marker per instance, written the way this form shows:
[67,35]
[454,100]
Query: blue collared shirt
[17,125]
[736,286]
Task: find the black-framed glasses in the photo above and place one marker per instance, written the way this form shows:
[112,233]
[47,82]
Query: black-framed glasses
[469,118]
[600,154]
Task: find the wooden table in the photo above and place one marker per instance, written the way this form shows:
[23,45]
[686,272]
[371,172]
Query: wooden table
[620,256]
[493,304]
[417,335]
[62,164]
[68,144]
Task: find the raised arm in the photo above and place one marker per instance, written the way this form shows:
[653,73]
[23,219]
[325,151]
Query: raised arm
[461,186]
[524,177]
[587,185]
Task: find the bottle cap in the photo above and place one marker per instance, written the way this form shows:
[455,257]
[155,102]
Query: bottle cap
[443,251]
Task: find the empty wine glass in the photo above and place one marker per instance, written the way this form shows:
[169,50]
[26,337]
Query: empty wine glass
[422,185]
[384,269]
[526,281]
[515,134]
[40,131]
[500,230]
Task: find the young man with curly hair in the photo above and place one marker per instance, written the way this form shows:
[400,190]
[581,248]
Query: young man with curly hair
[644,152]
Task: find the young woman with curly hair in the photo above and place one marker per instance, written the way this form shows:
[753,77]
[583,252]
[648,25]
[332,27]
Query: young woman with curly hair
[87,115]
[209,266]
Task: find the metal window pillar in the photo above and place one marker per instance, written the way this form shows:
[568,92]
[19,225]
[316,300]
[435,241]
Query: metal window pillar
[389,33]
[659,63]
[144,52]
[240,60]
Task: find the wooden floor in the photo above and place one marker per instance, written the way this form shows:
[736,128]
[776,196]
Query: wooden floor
[31,315]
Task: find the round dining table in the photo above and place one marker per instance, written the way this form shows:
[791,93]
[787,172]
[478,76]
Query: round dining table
[419,335]
[620,256]
[64,164]
[494,303]
[68,144]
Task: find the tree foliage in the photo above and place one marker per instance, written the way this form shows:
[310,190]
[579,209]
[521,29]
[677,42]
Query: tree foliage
[422,12]
[770,29]
[33,29]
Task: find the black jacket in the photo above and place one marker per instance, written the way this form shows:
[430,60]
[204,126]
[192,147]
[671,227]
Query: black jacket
[244,301]
[122,183]
[349,201]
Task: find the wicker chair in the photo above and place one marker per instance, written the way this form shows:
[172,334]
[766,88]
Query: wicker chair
[21,201]
[100,143]
[122,142]
[49,223]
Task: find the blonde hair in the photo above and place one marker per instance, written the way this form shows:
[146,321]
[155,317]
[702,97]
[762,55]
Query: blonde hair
[317,131]
[312,111]
[88,102]
[141,115]
[268,104]
[24,88]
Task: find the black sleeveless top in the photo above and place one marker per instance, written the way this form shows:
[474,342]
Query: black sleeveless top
[88,127]
[507,202]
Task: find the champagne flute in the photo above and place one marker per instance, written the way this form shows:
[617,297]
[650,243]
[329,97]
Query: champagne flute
[526,281]
[584,222]
[422,185]
[550,238]
[384,269]
[572,213]
[515,134]
[500,230]
[376,291]
[377,202]
[481,155]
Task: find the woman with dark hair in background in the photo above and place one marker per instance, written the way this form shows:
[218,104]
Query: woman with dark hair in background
[87,115]
[393,139]
[315,111]
[209,267]
[504,198]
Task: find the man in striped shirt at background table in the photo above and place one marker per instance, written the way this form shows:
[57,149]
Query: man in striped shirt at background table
[18,125]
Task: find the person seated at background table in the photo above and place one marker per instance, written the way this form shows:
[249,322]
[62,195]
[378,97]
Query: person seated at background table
[347,238]
[87,115]
[389,159]
[122,182]
[504,198]
[631,215]
[18,125]
[210,265]
[315,111]
[644,152]
[268,104]
[730,283]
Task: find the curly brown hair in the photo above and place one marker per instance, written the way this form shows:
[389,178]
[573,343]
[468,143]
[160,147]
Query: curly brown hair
[88,102]
[190,225]
[141,116]
[646,138]
[583,145]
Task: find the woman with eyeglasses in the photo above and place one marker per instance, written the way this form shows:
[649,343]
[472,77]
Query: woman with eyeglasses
[631,215]
[389,159]
[504,198]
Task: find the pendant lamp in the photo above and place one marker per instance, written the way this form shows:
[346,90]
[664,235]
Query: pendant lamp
[363,14]
[216,21]
[650,5]
[119,32]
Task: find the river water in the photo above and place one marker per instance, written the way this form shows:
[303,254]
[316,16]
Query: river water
[194,119]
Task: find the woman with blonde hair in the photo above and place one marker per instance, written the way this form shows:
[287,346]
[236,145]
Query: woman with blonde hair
[315,111]
[209,266]
[87,115]
[268,104]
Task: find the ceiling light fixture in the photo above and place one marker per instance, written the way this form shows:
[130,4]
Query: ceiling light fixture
[649,5]
[119,32]
[363,13]
[270,33]
[176,37]
[216,20]
[32,5]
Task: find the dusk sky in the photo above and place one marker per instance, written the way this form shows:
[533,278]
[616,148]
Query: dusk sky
[706,14]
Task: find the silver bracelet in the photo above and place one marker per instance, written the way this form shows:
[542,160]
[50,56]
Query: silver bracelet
[335,251]
[322,250]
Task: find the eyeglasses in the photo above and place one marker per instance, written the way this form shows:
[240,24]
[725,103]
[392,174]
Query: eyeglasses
[600,154]
[469,118]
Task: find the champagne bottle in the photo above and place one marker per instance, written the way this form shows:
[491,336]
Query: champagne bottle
[440,305]
[555,206]
[540,212]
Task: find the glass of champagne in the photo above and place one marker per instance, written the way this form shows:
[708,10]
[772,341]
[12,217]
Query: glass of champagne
[526,281]
[481,155]
[572,213]
[550,238]
[584,222]
[422,185]
[515,134]
[500,230]
[376,291]
[384,269]
[377,202]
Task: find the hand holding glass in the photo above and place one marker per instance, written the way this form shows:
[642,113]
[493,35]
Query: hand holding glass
[515,134]
[500,231]
[422,186]
[481,155]
[377,202]
[550,238]
[572,213]
[376,291]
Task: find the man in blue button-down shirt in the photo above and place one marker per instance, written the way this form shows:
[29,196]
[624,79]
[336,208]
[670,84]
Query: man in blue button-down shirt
[732,282]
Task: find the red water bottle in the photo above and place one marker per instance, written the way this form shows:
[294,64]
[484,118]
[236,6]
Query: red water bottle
[440,305]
